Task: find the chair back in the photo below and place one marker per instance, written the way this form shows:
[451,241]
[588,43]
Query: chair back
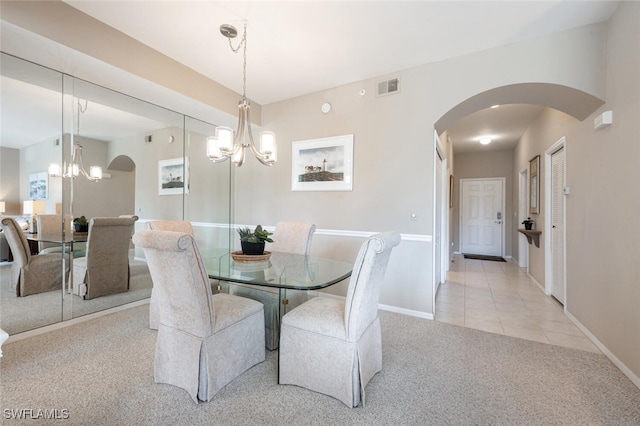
[363,294]
[183,226]
[108,241]
[51,224]
[17,241]
[106,270]
[293,237]
[180,280]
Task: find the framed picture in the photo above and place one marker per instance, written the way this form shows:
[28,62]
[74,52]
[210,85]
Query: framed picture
[39,186]
[451,180]
[322,164]
[173,176]
[534,185]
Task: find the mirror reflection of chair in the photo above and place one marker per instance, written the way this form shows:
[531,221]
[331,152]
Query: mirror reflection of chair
[334,347]
[30,274]
[105,268]
[51,224]
[292,238]
[183,226]
[204,340]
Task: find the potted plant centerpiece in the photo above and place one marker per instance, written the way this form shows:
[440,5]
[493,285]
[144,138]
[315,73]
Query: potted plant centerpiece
[528,224]
[80,224]
[252,242]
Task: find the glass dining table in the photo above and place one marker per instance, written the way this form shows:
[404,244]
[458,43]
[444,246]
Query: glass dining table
[281,271]
[66,242]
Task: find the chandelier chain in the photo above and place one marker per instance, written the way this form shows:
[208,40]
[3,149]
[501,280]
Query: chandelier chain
[243,44]
[81,110]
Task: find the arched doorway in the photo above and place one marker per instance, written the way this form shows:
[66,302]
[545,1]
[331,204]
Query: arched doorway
[543,103]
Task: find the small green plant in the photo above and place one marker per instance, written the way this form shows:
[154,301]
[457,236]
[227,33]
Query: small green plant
[80,220]
[259,235]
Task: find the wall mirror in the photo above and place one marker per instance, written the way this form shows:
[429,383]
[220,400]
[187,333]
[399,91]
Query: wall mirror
[45,116]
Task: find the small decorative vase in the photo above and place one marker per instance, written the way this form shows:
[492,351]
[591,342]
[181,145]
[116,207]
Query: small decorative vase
[528,226]
[252,249]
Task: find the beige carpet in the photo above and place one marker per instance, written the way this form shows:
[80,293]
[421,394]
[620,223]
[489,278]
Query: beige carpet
[101,373]
[19,314]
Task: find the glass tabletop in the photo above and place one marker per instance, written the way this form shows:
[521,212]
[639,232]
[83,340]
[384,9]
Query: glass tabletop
[281,270]
[68,237]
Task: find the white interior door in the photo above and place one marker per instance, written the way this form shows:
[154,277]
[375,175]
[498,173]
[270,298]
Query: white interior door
[557,224]
[482,216]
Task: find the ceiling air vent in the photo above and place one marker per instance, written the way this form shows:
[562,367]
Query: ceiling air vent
[388,87]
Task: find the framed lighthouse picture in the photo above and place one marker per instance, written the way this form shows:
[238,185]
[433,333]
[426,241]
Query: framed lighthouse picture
[322,164]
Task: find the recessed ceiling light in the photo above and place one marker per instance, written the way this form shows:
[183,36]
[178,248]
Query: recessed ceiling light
[485,141]
[494,106]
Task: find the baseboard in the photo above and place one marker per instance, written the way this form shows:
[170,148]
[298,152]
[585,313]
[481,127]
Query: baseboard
[74,321]
[387,308]
[540,286]
[409,312]
[621,366]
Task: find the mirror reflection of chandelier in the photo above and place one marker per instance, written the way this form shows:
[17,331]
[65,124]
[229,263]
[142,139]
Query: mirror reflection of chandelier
[223,145]
[76,166]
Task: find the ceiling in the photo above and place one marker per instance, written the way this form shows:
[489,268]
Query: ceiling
[331,43]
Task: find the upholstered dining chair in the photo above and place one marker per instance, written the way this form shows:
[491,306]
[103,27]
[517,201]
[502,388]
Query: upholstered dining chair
[292,238]
[204,340]
[332,346]
[30,274]
[51,224]
[183,226]
[105,268]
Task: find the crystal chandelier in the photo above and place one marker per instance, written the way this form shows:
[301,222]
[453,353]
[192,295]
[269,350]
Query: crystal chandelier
[76,166]
[224,145]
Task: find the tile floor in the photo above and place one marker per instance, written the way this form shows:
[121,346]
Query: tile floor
[499,297]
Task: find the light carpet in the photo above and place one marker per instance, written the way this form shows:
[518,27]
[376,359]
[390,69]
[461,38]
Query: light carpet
[101,371]
[19,314]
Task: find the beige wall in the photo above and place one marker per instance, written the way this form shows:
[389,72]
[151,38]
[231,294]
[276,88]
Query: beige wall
[603,271]
[488,164]
[602,247]
[9,185]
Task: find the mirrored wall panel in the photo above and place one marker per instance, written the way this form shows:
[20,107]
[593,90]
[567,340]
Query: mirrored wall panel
[82,154]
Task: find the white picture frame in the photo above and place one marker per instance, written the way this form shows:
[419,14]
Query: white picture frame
[39,186]
[322,164]
[173,176]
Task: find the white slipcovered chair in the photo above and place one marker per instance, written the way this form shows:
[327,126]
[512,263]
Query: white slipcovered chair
[30,274]
[334,347]
[183,226]
[105,268]
[204,340]
[289,237]
[51,224]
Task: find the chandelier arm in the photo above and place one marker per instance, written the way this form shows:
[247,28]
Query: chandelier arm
[259,155]
[218,159]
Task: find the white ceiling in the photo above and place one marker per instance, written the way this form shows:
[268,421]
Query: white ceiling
[299,47]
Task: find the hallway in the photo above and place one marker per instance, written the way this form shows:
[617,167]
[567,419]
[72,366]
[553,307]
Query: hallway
[500,298]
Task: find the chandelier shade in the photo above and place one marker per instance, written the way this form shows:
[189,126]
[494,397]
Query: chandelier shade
[225,145]
[75,168]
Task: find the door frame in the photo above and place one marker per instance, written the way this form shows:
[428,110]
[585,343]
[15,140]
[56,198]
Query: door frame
[441,205]
[503,206]
[548,272]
